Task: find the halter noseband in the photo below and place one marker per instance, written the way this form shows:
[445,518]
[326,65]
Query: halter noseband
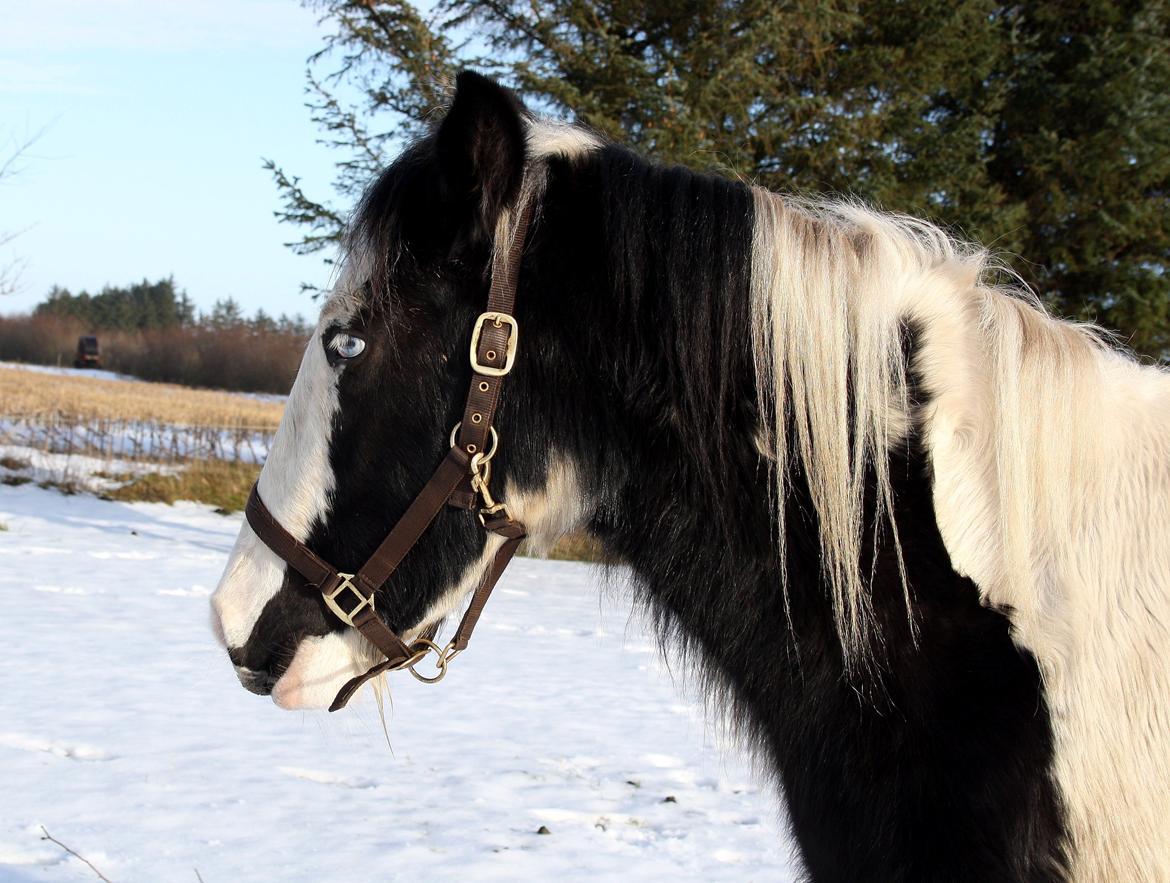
[461,480]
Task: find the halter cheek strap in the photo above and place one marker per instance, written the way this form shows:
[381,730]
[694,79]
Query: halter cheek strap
[461,480]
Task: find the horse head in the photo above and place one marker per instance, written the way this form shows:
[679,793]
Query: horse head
[380,388]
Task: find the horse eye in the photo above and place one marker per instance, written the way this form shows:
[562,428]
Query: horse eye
[347,346]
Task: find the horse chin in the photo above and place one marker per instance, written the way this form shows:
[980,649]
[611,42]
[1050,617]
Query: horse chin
[320,667]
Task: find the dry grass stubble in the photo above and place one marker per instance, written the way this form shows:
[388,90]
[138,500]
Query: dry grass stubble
[37,394]
[221,483]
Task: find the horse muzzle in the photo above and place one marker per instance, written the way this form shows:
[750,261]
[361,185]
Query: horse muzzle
[258,682]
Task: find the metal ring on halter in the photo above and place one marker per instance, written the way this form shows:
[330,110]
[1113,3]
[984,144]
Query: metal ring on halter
[491,452]
[440,662]
[414,659]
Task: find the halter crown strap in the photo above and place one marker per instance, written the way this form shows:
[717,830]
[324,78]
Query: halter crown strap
[494,340]
[461,479]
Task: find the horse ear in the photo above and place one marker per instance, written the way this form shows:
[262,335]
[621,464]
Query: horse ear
[480,146]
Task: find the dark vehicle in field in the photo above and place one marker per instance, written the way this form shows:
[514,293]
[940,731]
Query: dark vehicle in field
[88,353]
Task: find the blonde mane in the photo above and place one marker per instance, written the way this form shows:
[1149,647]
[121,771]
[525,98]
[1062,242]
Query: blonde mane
[1049,452]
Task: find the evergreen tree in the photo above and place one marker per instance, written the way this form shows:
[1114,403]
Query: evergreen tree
[262,322]
[1041,129]
[1083,146]
[185,310]
[59,302]
[226,313]
[295,325]
[142,305]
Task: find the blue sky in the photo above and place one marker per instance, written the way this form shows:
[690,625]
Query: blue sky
[157,115]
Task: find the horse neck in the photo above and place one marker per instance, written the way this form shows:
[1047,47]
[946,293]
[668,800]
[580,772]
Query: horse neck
[670,308]
[653,315]
[653,306]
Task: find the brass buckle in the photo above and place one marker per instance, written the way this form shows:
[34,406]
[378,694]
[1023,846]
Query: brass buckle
[497,319]
[363,601]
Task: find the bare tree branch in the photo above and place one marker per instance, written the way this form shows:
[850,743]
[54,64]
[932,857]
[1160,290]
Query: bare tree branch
[10,168]
[74,853]
[18,150]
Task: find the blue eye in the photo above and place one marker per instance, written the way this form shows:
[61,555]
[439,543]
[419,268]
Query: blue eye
[347,346]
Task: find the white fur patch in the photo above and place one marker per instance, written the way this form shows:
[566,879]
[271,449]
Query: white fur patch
[1051,463]
[295,484]
[547,514]
[320,667]
[548,138]
[1052,491]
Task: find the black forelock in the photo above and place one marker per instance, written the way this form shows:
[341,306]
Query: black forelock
[405,219]
[439,201]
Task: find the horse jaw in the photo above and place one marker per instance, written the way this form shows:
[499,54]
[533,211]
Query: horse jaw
[322,665]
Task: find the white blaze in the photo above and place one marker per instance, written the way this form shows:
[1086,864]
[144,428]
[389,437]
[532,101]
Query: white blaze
[295,484]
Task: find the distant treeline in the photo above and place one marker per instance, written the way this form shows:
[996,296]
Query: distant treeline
[152,331]
[147,305]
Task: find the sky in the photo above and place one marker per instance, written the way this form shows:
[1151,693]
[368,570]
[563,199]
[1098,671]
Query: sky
[156,116]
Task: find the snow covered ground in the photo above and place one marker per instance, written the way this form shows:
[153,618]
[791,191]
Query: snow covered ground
[124,733]
[83,472]
[132,439]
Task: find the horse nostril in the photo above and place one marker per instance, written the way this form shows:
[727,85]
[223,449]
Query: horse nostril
[258,682]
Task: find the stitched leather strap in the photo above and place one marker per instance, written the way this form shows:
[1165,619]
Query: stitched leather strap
[295,553]
[413,523]
[466,625]
[479,600]
[483,395]
[495,336]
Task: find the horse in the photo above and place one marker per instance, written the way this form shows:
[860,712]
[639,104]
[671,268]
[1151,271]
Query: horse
[910,531]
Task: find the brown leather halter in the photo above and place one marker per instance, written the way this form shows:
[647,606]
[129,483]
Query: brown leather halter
[461,480]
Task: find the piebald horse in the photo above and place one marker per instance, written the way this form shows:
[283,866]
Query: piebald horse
[912,532]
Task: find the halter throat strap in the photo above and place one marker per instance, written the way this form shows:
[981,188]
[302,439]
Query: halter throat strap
[461,480]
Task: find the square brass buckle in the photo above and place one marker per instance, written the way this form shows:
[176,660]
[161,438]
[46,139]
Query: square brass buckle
[497,319]
[363,601]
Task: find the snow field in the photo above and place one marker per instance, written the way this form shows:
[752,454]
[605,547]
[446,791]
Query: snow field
[123,732]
